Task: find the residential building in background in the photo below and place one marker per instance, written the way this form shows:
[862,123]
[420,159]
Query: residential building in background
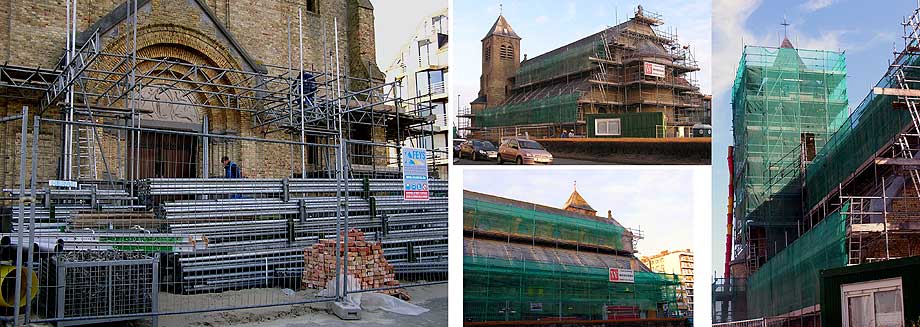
[420,70]
[680,263]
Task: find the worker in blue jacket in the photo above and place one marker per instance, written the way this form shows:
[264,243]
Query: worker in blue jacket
[231,169]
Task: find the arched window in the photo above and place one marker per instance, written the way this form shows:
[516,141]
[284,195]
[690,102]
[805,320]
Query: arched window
[506,52]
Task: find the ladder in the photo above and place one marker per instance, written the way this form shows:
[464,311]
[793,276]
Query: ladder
[86,150]
[855,239]
[903,141]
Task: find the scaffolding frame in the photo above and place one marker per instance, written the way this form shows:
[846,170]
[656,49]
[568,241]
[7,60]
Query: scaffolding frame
[605,71]
[96,90]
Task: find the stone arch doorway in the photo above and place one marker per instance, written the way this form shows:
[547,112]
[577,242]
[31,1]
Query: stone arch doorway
[188,65]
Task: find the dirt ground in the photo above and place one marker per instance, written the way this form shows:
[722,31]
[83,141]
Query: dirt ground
[432,297]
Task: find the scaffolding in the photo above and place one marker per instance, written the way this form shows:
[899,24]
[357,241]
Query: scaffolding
[527,262]
[859,194]
[782,98]
[605,72]
[84,184]
[501,289]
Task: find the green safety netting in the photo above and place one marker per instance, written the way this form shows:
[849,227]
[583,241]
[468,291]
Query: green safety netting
[790,280]
[569,59]
[502,289]
[487,216]
[780,96]
[554,109]
[871,126]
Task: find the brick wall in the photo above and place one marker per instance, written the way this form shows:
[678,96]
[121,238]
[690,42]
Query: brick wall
[180,29]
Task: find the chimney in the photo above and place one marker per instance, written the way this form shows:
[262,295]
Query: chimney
[609,214]
[525,58]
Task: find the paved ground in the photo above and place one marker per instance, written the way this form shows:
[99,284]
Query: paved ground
[556,161]
[432,297]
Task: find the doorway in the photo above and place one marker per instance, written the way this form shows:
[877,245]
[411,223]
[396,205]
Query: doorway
[165,155]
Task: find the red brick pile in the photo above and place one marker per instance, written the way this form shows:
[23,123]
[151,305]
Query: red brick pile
[365,262]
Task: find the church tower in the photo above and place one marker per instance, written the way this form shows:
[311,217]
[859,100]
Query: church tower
[576,203]
[501,49]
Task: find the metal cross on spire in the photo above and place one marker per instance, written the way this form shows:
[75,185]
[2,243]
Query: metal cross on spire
[785,26]
[499,9]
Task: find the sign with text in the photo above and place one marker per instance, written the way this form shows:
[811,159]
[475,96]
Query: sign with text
[619,275]
[653,69]
[415,174]
[60,183]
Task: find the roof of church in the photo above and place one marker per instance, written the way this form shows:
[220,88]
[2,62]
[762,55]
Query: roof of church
[501,27]
[576,201]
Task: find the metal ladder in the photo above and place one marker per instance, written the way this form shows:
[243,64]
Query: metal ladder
[86,151]
[903,142]
[855,240]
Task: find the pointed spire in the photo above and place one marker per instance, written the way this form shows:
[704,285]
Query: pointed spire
[501,27]
[577,203]
[786,43]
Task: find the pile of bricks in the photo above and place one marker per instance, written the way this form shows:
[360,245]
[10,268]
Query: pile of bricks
[365,262]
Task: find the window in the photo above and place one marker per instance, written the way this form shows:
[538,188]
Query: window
[607,126]
[808,146]
[313,6]
[506,52]
[876,303]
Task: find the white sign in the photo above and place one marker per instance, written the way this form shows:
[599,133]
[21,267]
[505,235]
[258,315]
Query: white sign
[60,183]
[536,306]
[415,174]
[619,275]
[653,69]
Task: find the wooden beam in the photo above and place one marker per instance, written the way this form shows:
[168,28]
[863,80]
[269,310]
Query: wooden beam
[896,92]
[898,161]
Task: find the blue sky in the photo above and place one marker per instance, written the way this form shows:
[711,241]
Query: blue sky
[865,30]
[545,25]
[659,201]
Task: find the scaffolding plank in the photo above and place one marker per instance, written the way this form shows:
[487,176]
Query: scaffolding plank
[896,92]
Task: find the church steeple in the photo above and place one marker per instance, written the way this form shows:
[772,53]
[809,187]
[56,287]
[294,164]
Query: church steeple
[501,58]
[502,28]
[576,203]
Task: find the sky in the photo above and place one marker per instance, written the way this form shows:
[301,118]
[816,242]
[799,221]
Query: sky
[867,40]
[544,25]
[658,201]
[395,22]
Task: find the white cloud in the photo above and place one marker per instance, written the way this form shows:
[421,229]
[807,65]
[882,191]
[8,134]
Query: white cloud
[815,5]
[542,19]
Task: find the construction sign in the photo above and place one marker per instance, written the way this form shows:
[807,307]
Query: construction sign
[415,174]
[619,275]
[653,69]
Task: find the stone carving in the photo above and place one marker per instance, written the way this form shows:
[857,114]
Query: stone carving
[169,105]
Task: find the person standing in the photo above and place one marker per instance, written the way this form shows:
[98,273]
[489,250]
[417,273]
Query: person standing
[231,169]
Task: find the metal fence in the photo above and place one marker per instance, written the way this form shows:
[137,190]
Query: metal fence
[150,222]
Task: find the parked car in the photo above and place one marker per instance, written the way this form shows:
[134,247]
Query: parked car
[457,143]
[523,152]
[478,149]
[702,130]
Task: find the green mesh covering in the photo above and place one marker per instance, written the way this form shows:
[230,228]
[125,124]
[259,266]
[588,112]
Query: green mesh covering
[789,281]
[487,216]
[572,58]
[502,289]
[555,109]
[871,126]
[779,95]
